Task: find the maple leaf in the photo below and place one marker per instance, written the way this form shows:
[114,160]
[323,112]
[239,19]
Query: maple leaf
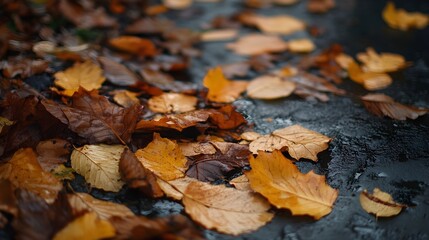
[383,105]
[172,102]
[93,117]
[279,180]
[402,19]
[87,226]
[86,75]
[134,45]
[117,73]
[24,171]
[381,63]
[379,203]
[222,89]
[99,164]
[52,153]
[269,87]
[83,202]
[164,158]
[254,44]
[219,35]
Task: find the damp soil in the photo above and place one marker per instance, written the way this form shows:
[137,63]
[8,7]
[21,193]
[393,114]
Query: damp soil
[366,151]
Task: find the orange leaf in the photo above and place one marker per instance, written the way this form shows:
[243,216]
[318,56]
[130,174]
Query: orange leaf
[222,89]
[379,203]
[281,24]
[254,44]
[172,102]
[404,20]
[269,87]
[134,45]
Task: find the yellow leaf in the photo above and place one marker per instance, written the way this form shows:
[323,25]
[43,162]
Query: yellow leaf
[172,103]
[164,158]
[104,209]
[125,98]
[222,89]
[255,44]
[87,75]
[269,87]
[370,80]
[5,122]
[381,63]
[282,24]
[403,20]
[379,203]
[86,227]
[99,164]
[219,35]
[303,45]
[177,4]
[279,180]
[24,171]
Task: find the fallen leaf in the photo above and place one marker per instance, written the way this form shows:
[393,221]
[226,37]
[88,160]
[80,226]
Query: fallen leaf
[402,19]
[219,35]
[280,181]
[52,153]
[241,183]
[150,26]
[86,75]
[262,62]
[320,6]
[25,172]
[239,69]
[303,45]
[300,142]
[4,122]
[254,44]
[155,10]
[87,226]
[269,87]
[23,67]
[379,203]
[172,103]
[165,81]
[8,202]
[281,24]
[164,158]
[177,4]
[226,117]
[383,105]
[380,63]
[250,136]
[175,189]
[125,98]
[226,210]
[99,164]
[134,45]
[83,202]
[117,73]
[344,60]
[62,172]
[221,89]
[370,80]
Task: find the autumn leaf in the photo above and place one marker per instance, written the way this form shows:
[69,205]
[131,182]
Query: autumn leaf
[370,80]
[165,81]
[175,188]
[177,4]
[172,103]
[117,73]
[379,203]
[226,117]
[221,89]
[383,105]
[25,172]
[320,6]
[52,153]
[280,181]
[134,45]
[219,35]
[83,202]
[269,87]
[402,19]
[8,202]
[86,75]
[241,183]
[87,226]
[380,63]
[4,122]
[99,164]
[303,45]
[281,24]
[125,98]
[164,158]
[254,44]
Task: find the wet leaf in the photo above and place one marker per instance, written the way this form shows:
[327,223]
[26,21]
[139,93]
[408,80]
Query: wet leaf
[25,172]
[254,44]
[86,75]
[303,45]
[381,63]
[379,203]
[87,226]
[172,103]
[219,35]
[134,45]
[52,153]
[383,105]
[164,158]
[221,89]
[117,73]
[99,164]
[226,117]
[280,181]
[401,19]
[125,98]
[269,87]
[320,6]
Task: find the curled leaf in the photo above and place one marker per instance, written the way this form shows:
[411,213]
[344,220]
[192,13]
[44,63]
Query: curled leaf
[379,203]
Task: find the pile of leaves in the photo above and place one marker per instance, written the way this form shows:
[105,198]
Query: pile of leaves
[99,90]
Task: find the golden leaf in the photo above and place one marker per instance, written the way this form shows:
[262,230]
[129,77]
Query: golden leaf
[99,164]
[172,103]
[87,227]
[219,35]
[280,181]
[255,44]
[282,24]
[379,203]
[177,4]
[403,20]
[222,89]
[380,63]
[84,202]
[164,158]
[269,87]
[303,45]
[370,80]
[24,171]
[125,98]
[87,75]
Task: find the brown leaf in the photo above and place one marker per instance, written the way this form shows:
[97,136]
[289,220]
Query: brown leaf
[370,80]
[219,35]
[165,82]
[226,117]
[8,201]
[134,45]
[314,83]
[150,26]
[254,44]
[125,98]
[239,69]
[221,89]
[241,183]
[177,4]
[52,153]
[93,117]
[23,67]
[383,105]
[172,103]
[401,19]
[280,24]
[320,6]
[269,87]
[210,167]
[117,73]
[175,188]
[280,181]
[137,176]
[190,149]
[379,203]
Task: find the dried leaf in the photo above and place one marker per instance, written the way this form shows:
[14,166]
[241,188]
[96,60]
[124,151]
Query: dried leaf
[117,73]
[226,117]
[175,188]
[125,98]
[254,44]
[164,158]
[250,136]
[281,24]
[222,89]
[303,45]
[280,181]
[177,4]
[219,35]
[165,82]
[99,164]
[87,226]
[241,183]
[86,75]
[239,69]
[8,202]
[172,103]
[379,203]
[402,19]
[320,6]
[150,26]
[370,80]
[383,105]
[269,87]
[380,63]
[25,172]
[83,202]
[134,45]
[52,153]
[23,67]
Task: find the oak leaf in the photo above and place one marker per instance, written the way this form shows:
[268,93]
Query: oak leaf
[125,98]
[134,45]
[383,105]
[379,203]
[221,89]
[117,73]
[280,181]
[303,45]
[380,63]
[164,158]
[254,44]
[402,19]
[86,75]
[99,164]
[172,103]
[269,87]
[219,35]
[25,172]
[87,226]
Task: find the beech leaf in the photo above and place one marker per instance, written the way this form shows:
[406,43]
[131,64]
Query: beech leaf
[221,89]
[379,203]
